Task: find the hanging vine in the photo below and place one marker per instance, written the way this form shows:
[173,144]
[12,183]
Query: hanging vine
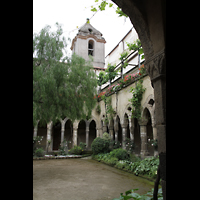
[110,112]
[136,99]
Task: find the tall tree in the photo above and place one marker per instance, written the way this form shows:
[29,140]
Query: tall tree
[62,86]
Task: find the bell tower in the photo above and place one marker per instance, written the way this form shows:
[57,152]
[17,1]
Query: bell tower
[89,42]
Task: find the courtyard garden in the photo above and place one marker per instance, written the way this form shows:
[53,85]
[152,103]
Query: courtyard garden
[104,151]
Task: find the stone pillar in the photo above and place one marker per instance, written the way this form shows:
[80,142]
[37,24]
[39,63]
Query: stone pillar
[75,131]
[49,141]
[131,127]
[155,137]
[35,131]
[62,132]
[143,136]
[111,131]
[104,129]
[124,135]
[156,69]
[87,134]
[99,130]
[116,128]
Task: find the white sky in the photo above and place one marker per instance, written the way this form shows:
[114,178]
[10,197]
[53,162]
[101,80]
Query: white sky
[73,13]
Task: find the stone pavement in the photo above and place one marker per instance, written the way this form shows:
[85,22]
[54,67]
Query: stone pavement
[82,179]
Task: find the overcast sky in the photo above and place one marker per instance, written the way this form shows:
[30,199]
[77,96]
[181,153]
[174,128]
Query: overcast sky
[73,13]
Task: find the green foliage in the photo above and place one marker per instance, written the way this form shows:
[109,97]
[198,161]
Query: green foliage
[131,194]
[123,58]
[136,46]
[98,109]
[100,145]
[120,12]
[129,145]
[147,167]
[109,109]
[63,148]
[39,152]
[82,145]
[115,144]
[120,154]
[36,141]
[100,79]
[77,150]
[62,86]
[136,99]
[106,136]
[111,73]
[154,143]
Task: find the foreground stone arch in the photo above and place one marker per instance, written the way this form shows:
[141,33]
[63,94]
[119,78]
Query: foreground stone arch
[149,20]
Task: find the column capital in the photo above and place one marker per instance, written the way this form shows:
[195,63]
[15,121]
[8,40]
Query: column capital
[156,65]
[124,125]
[143,122]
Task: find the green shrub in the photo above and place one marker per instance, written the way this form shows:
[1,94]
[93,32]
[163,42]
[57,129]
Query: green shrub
[115,144]
[106,136]
[112,161]
[82,145]
[120,154]
[100,145]
[148,166]
[39,152]
[76,150]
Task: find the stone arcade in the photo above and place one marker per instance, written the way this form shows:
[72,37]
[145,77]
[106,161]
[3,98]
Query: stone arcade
[89,42]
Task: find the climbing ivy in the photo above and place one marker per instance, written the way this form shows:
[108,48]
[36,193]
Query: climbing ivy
[109,109]
[136,99]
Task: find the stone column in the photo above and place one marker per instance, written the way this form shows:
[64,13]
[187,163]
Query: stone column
[62,132]
[131,127]
[98,132]
[87,134]
[49,139]
[143,136]
[104,129]
[35,131]
[111,132]
[155,137]
[74,137]
[116,128]
[156,69]
[124,135]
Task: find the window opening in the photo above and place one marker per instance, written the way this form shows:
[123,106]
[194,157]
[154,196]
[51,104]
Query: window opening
[91,48]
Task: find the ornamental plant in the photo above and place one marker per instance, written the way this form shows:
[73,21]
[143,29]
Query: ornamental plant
[77,150]
[99,145]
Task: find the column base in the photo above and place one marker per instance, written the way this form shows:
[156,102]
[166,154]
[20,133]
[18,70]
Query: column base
[144,153]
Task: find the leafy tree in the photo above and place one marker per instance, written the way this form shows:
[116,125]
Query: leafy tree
[62,86]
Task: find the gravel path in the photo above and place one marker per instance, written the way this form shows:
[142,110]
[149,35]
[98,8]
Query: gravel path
[82,179]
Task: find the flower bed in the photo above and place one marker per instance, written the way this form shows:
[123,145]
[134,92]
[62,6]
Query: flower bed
[123,82]
[145,168]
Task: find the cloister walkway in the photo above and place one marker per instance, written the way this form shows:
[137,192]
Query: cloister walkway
[82,179]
